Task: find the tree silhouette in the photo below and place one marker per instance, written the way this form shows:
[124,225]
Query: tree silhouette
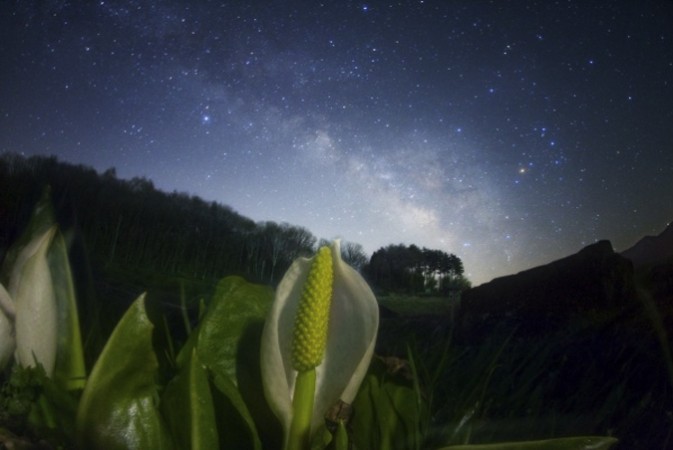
[412,270]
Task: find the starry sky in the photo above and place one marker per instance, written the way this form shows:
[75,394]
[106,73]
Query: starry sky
[510,133]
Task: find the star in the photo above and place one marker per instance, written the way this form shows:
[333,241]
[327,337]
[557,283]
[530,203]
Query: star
[414,122]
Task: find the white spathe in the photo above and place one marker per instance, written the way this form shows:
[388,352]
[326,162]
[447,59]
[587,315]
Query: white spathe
[31,295]
[351,336]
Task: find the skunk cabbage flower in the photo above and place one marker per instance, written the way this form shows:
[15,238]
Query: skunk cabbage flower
[31,305]
[322,325]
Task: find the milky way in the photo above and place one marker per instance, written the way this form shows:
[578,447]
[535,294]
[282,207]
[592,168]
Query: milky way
[509,133]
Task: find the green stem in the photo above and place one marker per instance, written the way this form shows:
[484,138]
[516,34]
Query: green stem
[302,410]
[183,309]
[341,437]
[47,412]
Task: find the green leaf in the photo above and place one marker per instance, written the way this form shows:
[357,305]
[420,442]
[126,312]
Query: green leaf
[237,429]
[341,437]
[249,378]
[235,304]
[119,405]
[188,407]
[53,414]
[387,411]
[69,371]
[569,443]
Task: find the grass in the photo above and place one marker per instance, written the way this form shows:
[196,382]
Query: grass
[600,377]
[111,289]
[410,305]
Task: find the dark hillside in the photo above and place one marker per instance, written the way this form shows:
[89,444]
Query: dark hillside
[577,346]
[545,298]
[131,224]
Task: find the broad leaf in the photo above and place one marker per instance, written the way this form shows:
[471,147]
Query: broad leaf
[387,413]
[119,406]
[235,304]
[188,407]
[237,429]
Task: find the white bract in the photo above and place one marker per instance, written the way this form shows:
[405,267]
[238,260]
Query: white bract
[28,311]
[351,336]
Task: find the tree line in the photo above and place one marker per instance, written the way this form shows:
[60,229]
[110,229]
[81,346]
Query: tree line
[132,224]
[414,270]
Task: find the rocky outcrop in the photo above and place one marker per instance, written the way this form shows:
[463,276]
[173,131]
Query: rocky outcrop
[539,300]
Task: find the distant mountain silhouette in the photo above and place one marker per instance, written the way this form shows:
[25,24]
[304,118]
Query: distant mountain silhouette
[544,298]
[652,257]
[652,249]
[583,326]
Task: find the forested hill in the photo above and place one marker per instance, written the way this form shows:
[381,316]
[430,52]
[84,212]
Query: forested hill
[130,223]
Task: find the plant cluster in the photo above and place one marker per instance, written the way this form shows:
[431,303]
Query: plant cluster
[291,369]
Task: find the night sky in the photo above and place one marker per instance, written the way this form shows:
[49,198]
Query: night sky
[510,133]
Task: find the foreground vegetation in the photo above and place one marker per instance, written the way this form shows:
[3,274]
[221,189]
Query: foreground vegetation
[148,389]
[426,386]
[599,374]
